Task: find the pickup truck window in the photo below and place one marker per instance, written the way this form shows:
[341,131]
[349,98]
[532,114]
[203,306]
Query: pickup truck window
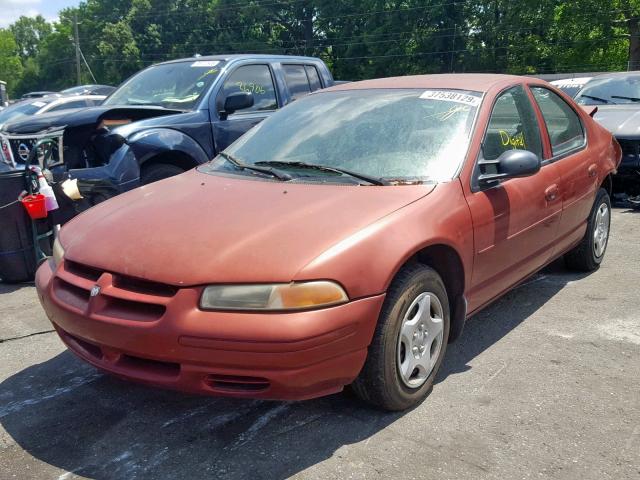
[314,78]
[254,79]
[512,125]
[297,80]
[563,123]
[177,85]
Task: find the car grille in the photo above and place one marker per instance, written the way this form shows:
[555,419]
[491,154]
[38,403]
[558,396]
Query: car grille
[100,294]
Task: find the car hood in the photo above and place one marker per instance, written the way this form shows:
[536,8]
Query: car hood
[197,228]
[82,116]
[623,121]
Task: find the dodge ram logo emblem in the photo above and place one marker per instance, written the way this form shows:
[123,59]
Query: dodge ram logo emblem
[95,291]
[23,152]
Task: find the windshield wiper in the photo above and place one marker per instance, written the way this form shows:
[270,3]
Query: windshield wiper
[145,104]
[359,176]
[633,99]
[592,97]
[243,166]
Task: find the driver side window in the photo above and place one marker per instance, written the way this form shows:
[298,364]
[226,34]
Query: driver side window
[254,79]
[512,125]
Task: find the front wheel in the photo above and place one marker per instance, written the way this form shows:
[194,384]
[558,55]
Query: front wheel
[588,255]
[158,171]
[409,342]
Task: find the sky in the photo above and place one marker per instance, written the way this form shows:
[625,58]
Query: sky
[11,10]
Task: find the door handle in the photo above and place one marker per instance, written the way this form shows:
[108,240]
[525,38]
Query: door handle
[593,170]
[551,193]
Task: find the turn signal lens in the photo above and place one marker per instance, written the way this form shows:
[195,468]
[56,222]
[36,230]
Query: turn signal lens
[58,252]
[278,296]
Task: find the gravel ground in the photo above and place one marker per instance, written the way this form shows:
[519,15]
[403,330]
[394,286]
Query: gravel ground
[543,384]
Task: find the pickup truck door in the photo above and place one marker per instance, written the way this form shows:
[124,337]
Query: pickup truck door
[577,167]
[515,222]
[257,79]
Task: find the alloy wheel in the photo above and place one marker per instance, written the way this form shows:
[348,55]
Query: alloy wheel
[420,339]
[601,230]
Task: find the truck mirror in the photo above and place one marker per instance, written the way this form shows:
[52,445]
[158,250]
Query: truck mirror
[237,101]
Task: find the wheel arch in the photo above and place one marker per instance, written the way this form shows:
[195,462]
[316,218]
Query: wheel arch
[165,145]
[607,184]
[447,262]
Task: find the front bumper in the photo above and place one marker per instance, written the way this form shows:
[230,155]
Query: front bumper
[173,344]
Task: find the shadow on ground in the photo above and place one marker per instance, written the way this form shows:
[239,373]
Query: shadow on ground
[13,287]
[64,413]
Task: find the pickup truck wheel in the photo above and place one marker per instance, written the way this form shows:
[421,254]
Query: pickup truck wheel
[158,171]
[588,255]
[409,342]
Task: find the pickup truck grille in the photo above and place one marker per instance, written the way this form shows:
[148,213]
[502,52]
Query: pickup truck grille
[630,154]
[19,147]
[99,294]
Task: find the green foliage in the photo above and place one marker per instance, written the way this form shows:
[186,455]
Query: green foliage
[29,32]
[10,65]
[357,38]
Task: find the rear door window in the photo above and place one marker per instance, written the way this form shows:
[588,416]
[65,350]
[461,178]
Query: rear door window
[297,81]
[314,78]
[563,124]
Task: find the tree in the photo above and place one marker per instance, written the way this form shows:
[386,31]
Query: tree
[29,32]
[10,65]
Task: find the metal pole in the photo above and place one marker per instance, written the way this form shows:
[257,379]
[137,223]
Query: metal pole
[77,42]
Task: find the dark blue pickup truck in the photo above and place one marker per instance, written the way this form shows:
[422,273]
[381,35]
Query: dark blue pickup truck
[162,121]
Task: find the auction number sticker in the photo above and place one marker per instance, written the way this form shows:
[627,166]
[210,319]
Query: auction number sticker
[205,63]
[38,104]
[451,96]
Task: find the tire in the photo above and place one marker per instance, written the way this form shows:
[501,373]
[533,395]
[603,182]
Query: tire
[158,171]
[588,255]
[381,381]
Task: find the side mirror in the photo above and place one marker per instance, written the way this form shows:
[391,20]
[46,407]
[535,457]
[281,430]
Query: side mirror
[511,164]
[237,101]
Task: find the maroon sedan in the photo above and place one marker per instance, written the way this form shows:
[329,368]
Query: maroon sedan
[342,241]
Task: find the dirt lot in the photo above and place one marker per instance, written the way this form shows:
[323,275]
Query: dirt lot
[543,384]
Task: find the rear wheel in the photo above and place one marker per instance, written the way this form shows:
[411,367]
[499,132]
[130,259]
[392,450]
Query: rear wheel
[158,171]
[409,342]
[588,255]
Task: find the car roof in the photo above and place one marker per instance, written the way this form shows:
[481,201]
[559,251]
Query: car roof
[633,73]
[73,98]
[235,56]
[571,81]
[480,82]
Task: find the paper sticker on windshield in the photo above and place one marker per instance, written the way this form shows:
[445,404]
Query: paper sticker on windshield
[205,63]
[38,104]
[451,96]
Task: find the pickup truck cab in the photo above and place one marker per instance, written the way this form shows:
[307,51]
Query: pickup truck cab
[164,120]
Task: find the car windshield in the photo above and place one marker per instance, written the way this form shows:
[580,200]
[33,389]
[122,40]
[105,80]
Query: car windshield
[16,112]
[610,90]
[407,135]
[172,85]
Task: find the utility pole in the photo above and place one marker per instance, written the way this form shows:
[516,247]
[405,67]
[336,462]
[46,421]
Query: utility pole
[77,42]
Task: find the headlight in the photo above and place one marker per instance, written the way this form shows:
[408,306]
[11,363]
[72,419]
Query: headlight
[5,151]
[277,296]
[58,252]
